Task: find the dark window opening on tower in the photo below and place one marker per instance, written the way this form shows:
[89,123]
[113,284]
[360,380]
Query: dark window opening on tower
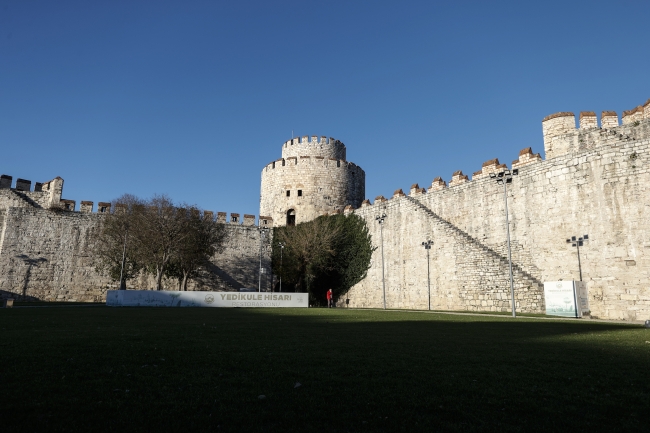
[291,217]
[288,193]
[299,193]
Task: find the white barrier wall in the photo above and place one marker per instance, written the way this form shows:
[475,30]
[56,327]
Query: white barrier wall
[152,298]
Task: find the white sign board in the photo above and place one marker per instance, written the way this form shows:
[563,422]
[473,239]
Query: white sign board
[566,298]
[154,298]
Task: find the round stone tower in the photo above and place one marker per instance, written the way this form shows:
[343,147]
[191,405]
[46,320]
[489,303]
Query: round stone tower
[312,178]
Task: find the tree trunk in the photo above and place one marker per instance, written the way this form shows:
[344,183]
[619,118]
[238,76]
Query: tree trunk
[185,281]
[159,278]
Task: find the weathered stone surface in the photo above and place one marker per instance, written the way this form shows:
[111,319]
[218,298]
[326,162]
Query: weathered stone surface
[46,254]
[594,181]
[597,186]
[312,178]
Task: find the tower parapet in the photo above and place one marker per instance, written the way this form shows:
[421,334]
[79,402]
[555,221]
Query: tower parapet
[313,146]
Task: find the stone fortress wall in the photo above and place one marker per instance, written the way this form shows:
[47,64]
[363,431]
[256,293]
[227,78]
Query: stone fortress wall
[311,179]
[595,180]
[46,245]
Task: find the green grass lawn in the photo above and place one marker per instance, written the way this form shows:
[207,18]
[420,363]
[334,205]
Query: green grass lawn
[164,369]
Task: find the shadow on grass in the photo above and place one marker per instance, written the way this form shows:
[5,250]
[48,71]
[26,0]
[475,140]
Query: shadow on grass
[132,369]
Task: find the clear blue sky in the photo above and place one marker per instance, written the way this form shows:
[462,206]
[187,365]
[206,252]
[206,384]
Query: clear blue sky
[193,98]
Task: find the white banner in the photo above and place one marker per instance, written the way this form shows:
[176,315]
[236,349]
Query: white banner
[154,298]
[566,298]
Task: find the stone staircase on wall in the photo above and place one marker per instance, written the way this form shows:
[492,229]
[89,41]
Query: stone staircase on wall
[592,138]
[25,199]
[14,198]
[528,289]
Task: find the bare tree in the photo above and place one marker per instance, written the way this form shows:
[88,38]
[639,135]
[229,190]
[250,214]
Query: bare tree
[116,253]
[203,239]
[157,237]
[159,229]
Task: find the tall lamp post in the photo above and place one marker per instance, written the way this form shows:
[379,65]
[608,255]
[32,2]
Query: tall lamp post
[505,177]
[281,245]
[380,220]
[262,234]
[427,246]
[578,242]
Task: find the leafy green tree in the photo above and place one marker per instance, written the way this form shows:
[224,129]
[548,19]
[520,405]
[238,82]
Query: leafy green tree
[328,252]
[309,248]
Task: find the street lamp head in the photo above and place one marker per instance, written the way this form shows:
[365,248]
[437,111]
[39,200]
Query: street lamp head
[585,237]
[500,174]
[507,172]
[493,175]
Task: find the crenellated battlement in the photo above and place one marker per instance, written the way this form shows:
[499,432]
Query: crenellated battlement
[556,122]
[491,166]
[588,119]
[314,146]
[458,178]
[526,158]
[438,184]
[562,136]
[46,195]
[313,177]
[236,219]
[308,160]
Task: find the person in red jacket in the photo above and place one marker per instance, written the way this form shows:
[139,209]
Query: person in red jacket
[329,298]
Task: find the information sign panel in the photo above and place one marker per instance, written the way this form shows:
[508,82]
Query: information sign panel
[566,298]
